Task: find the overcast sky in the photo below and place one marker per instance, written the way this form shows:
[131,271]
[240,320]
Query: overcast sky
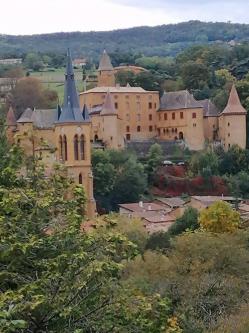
[43,16]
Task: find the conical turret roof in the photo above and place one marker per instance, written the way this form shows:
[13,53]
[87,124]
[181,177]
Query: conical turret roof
[108,106]
[105,62]
[11,118]
[234,105]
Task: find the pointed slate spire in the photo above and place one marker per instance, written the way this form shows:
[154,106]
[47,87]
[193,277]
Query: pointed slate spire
[70,111]
[105,62]
[234,105]
[85,113]
[11,118]
[108,106]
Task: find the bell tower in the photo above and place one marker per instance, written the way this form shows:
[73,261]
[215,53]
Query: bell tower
[72,133]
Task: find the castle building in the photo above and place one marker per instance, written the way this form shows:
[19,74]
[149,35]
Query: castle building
[122,114]
[135,107]
[59,136]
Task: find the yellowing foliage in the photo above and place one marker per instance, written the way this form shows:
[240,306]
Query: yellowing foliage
[219,217]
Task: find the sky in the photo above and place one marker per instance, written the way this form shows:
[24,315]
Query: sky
[26,17]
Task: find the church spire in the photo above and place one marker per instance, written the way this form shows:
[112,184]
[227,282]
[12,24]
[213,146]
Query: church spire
[70,111]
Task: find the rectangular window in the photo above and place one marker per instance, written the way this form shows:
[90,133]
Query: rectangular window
[151,128]
[193,115]
[181,115]
[116,105]
[173,116]
[150,105]
[150,116]
[165,116]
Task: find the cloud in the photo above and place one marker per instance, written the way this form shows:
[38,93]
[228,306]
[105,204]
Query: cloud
[203,10]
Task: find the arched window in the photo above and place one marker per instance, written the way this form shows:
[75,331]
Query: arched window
[80,179]
[64,148]
[60,148]
[76,147]
[138,128]
[82,147]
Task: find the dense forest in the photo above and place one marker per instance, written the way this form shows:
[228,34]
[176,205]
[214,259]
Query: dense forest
[165,40]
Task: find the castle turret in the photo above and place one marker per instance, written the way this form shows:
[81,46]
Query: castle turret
[106,75]
[232,122]
[112,131]
[11,125]
[73,131]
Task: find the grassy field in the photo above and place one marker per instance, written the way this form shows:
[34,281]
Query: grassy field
[54,80]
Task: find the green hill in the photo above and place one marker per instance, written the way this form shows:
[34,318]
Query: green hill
[160,40]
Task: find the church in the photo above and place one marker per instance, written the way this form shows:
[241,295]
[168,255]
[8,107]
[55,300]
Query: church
[59,136]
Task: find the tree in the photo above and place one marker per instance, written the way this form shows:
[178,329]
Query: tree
[53,276]
[29,92]
[219,217]
[188,221]
[204,275]
[153,161]
[118,178]
[159,241]
[195,75]
[33,61]
[233,161]
[204,163]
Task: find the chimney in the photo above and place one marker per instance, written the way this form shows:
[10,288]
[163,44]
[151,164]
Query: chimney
[141,204]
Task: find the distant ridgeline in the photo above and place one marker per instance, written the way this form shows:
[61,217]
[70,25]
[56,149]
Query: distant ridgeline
[165,40]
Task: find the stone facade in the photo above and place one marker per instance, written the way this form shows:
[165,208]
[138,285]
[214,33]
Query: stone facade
[177,116]
[59,136]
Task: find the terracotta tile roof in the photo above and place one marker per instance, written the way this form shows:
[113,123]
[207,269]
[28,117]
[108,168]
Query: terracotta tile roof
[108,106]
[118,89]
[159,218]
[172,202]
[11,118]
[145,207]
[233,105]
[210,110]
[179,100]
[208,200]
[105,62]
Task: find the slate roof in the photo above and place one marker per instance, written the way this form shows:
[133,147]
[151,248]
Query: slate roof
[181,99]
[210,110]
[234,105]
[26,116]
[105,62]
[70,111]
